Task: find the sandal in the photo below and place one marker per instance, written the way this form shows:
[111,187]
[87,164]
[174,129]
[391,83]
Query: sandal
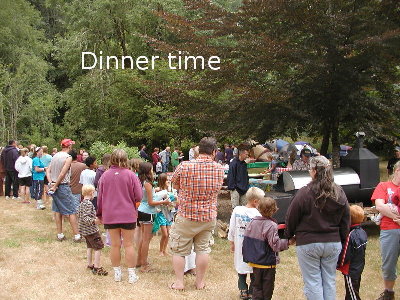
[243,294]
[90,267]
[99,271]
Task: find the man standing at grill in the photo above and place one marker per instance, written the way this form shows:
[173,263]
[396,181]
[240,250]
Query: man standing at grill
[393,160]
[238,178]
[198,182]
[303,163]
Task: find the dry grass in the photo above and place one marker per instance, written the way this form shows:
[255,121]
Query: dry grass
[33,265]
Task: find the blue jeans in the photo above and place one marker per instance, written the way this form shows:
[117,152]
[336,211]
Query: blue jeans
[37,188]
[164,167]
[318,266]
[390,251]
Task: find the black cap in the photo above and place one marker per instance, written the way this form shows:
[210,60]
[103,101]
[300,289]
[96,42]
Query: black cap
[305,152]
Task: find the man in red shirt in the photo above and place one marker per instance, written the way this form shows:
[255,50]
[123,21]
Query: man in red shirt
[385,193]
[198,182]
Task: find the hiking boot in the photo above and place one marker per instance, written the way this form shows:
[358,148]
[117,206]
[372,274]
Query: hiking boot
[386,295]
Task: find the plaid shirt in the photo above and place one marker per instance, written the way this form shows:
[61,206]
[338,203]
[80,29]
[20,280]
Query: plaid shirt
[86,218]
[199,183]
[300,165]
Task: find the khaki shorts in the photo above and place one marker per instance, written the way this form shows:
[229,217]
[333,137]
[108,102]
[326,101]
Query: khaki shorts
[184,233]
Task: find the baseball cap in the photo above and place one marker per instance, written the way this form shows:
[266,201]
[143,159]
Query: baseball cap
[67,142]
[397,149]
[305,152]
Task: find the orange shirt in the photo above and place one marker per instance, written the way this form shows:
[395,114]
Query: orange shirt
[199,183]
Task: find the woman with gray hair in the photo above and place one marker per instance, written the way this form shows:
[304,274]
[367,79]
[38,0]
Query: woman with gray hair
[319,219]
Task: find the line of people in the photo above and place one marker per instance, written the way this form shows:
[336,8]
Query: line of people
[325,229]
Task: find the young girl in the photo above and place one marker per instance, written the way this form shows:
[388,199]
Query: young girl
[38,175]
[23,165]
[164,217]
[147,213]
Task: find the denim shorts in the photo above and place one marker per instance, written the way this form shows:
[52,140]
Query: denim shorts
[77,200]
[63,201]
[390,249]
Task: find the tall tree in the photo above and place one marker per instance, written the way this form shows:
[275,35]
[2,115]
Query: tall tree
[320,67]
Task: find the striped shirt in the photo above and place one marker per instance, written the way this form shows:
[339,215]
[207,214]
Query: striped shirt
[87,216]
[199,182]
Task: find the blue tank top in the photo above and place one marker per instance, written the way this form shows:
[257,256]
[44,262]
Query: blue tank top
[144,204]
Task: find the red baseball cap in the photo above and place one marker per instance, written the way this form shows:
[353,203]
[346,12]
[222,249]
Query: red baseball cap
[67,142]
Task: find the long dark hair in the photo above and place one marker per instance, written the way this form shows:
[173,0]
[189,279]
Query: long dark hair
[145,173]
[162,181]
[323,184]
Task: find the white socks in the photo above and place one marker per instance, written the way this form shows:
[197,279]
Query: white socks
[132,277]
[60,236]
[117,274]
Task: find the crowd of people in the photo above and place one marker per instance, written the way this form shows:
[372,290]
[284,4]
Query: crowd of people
[132,199]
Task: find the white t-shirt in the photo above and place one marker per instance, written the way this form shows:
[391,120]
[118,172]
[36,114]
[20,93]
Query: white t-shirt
[87,177]
[240,218]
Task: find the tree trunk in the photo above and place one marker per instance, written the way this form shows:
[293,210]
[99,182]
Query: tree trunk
[335,143]
[326,134]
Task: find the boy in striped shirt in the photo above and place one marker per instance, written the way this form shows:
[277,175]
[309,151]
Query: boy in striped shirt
[88,228]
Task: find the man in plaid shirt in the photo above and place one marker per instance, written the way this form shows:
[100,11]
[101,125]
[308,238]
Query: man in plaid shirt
[198,182]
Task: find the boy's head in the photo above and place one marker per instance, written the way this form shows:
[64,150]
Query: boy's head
[357,214]
[90,162]
[88,190]
[254,195]
[267,207]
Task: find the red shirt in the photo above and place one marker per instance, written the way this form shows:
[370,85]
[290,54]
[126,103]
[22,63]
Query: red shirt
[200,181]
[386,191]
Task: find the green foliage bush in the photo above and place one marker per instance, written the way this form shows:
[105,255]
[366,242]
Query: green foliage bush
[99,148]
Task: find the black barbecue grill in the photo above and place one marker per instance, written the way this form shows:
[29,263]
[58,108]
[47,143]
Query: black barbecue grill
[358,177]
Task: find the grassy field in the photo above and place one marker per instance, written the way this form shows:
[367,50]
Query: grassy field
[33,265]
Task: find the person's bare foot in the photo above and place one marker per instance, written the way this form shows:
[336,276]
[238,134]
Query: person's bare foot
[162,254]
[190,272]
[177,287]
[201,286]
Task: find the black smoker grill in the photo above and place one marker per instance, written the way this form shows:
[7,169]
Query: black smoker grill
[358,176]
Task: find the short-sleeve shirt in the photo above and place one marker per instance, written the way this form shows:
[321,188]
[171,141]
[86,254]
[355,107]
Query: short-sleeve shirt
[200,181]
[37,162]
[57,164]
[46,159]
[300,165]
[386,191]
[175,159]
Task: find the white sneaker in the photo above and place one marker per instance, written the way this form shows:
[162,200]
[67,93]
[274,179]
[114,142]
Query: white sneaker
[15,198]
[117,274]
[132,277]
[7,197]
[40,205]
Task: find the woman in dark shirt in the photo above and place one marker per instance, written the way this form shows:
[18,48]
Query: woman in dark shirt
[319,218]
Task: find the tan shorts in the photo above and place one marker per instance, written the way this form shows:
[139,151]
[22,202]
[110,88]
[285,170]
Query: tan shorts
[184,233]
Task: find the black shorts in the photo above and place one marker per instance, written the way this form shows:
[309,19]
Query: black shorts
[46,182]
[25,181]
[144,218]
[126,226]
[94,241]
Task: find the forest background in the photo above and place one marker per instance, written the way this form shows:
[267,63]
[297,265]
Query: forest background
[289,68]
